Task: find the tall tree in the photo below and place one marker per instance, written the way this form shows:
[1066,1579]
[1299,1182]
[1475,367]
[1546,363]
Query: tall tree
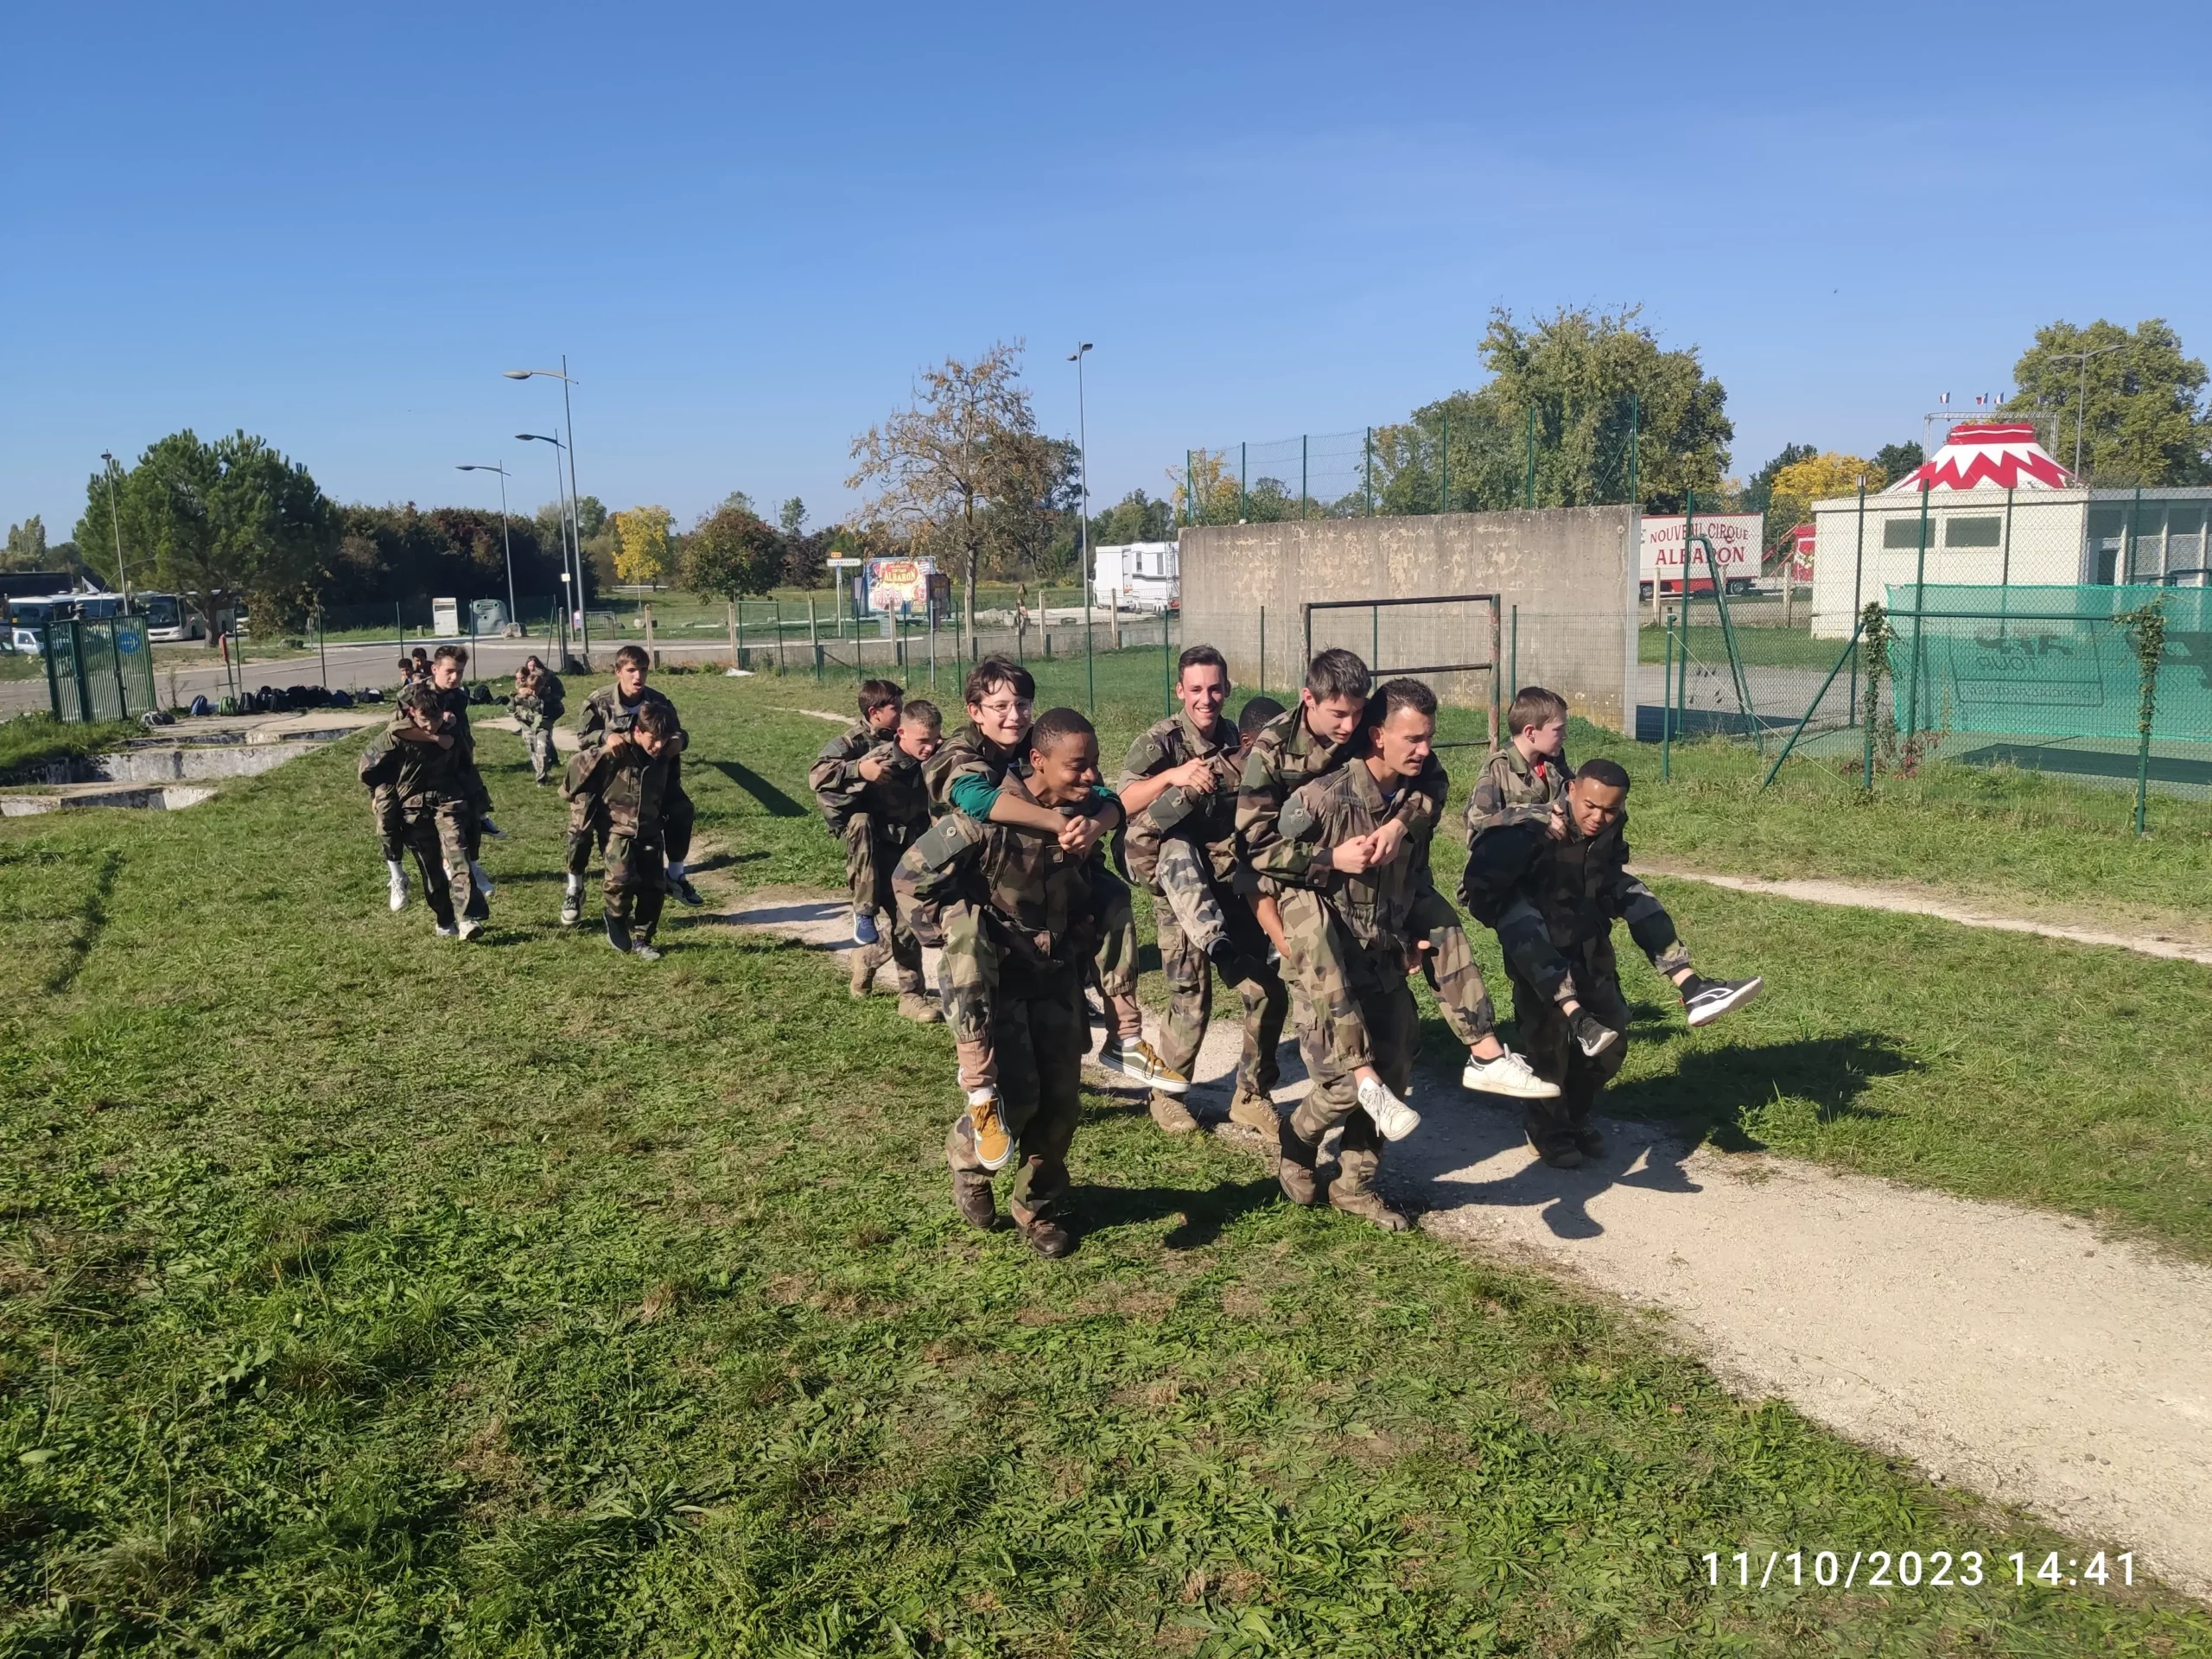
[2143,419]
[1894,460]
[791,518]
[1035,488]
[1795,487]
[729,555]
[222,523]
[26,545]
[1582,391]
[641,549]
[934,467]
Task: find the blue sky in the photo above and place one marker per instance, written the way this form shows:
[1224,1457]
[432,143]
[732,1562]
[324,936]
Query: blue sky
[747,227]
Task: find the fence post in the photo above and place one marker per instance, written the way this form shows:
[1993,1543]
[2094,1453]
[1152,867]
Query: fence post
[399,627]
[1919,624]
[1858,570]
[1367,471]
[1667,711]
[2146,631]
[1190,496]
[1243,487]
[1514,669]
[1496,698]
[1304,471]
[1263,650]
[1529,501]
[813,637]
[1166,666]
[1444,491]
[1635,423]
[322,656]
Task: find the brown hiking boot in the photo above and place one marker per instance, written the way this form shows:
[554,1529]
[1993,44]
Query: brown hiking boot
[1254,1111]
[971,1196]
[1295,1169]
[865,962]
[1044,1235]
[1368,1207]
[1171,1114]
[913,1005]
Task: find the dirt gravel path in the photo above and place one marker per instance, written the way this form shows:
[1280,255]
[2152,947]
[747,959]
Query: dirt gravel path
[2006,1350]
[1918,901]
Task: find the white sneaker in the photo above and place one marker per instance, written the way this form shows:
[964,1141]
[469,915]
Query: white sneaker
[483,881]
[398,891]
[470,927]
[1393,1118]
[1509,1074]
[445,932]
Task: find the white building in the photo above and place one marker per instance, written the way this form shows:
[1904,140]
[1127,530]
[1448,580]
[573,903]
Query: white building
[1138,575]
[1999,511]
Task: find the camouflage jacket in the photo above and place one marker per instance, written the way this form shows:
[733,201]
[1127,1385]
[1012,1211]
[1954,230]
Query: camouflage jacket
[417,774]
[604,714]
[968,751]
[541,706]
[1284,755]
[832,777]
[1035,899]
[1513,790]
[453,701]
[1374,905]
[899,802]
[1208,820]
[1580,886]
[629,787]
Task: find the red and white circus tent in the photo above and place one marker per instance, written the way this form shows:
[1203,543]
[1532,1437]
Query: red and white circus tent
[1986,455]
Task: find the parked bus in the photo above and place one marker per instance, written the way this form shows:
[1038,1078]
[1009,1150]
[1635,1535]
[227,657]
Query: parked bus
[168,621]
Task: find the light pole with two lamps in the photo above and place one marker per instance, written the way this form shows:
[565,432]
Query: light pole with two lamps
[1089,574]
[568,516]
[115,519]
[575,524]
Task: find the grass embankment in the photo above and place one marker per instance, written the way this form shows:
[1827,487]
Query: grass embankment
[32,741]
[365,1290]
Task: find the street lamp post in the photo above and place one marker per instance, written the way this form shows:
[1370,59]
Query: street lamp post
[115,519]
[576,600]
[1089,575]
[2081,396]
[505,540]
[575,522]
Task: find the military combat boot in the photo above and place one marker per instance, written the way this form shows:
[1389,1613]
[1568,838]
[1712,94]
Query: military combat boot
[1365,1204]
[1295,1169]
[1171,1114]
[913,1005]
[865,962]
[1254,1111]
[1043,1235]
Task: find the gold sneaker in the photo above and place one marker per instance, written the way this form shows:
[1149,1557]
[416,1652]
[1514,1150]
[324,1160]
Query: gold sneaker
[1254,1112]
[1137,1058]
[988,1130]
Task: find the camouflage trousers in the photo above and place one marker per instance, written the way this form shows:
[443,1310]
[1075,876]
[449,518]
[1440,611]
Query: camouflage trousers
[1316,959]
[675,822]
[1193,910]
[1392,1025]
[436,832]
[1532,958]
[538,739]
[1548,1037]
[1040,1033]
[871,857]
[390,821]
[968,973]
[636,883]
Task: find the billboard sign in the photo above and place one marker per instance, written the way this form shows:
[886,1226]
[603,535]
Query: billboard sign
[899,584]
[1801,562]
[1736,540]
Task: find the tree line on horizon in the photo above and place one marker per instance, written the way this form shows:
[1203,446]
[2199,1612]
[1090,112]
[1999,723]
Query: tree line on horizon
[962,473]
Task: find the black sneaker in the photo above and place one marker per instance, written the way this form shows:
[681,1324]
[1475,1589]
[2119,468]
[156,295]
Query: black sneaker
[617,935]
[1591,1035]
[1588,1141]
[1236,966]
[686,894]
[1704,1000]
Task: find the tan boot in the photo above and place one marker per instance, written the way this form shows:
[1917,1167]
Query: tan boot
[913,1005]
[1295,1169]
[1171,1114]
[1368,1207]
[865,962]
[1042,1233]
[1254,1112]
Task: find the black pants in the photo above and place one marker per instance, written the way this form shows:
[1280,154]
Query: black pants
[1548,1037]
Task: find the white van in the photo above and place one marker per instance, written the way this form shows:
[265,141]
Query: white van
[1138,576]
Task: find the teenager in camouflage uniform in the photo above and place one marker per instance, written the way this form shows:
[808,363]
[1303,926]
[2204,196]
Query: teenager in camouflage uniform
[1179,786]
[620,790]
[1553,902]
[447,663]
[834,778]
[1031,901]
[1373,916]
[966,780]
[415,764]
[1310,741]
[609,716]
[1524,779]
[539,699]
[889,795]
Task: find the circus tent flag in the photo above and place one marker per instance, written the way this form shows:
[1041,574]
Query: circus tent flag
[1986,455]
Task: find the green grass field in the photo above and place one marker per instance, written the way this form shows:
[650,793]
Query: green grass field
[364,1293]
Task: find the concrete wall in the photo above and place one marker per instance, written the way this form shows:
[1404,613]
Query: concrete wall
[1571,574]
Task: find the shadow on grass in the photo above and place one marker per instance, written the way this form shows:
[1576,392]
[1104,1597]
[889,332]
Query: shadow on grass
[1200,1215]
[1710,1091]
[772,800]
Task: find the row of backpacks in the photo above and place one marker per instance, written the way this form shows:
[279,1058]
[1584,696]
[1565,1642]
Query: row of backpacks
[289,699]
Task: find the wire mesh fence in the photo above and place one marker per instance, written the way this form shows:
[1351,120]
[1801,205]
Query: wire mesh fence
[1475,460]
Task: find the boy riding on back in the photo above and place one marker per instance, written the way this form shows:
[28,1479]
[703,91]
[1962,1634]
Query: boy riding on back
[835,777]
[1524,779]
[890,797]
[609,715]
[619,791]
